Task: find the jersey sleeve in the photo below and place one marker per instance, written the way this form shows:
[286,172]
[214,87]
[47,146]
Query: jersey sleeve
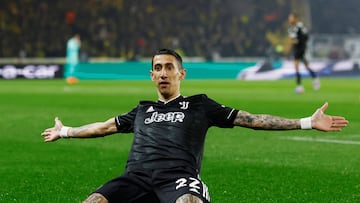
[219,115]
[125,122]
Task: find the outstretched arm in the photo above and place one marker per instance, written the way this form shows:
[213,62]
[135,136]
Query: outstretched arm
[98,129]
[319,121]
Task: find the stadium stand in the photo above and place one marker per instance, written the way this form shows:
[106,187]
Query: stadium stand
[132,28]
[119,28]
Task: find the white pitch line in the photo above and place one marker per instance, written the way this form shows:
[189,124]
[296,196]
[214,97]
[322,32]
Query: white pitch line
[353,136]
[309,139]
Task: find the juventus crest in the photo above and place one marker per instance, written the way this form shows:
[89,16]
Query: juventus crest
[184,105]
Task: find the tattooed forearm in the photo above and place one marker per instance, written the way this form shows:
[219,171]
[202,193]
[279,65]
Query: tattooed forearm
[265,122]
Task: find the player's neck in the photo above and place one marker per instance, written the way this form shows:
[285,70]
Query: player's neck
[167,100]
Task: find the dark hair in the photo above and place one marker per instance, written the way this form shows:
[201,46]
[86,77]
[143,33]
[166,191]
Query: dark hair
[167,52]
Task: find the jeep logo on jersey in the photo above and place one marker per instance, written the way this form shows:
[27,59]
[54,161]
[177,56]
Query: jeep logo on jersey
[165,117]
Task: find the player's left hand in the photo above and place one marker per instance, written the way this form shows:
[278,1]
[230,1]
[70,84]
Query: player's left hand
[53,134]
[323,122]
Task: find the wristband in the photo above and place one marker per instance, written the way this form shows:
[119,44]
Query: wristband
[305,123]
[64,132]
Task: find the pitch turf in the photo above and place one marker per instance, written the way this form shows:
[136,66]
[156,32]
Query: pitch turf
[240,165]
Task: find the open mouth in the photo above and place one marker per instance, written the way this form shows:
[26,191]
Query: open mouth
[164,83]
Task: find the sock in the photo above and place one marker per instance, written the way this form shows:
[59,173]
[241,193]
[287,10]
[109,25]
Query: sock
[298,78]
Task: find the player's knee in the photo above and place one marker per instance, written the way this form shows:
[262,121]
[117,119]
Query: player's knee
[188,198]
[96,198]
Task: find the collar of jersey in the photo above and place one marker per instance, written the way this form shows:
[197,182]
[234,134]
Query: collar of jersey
[165,102]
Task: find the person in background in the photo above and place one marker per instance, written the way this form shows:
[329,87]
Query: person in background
[72,58]
[299,35]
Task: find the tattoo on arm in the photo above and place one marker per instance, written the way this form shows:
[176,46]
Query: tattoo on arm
[265,122]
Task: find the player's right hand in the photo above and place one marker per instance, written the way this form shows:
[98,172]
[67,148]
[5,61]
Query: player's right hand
[53,134]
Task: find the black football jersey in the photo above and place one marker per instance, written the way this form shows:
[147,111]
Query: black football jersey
[300,33]
[172,134]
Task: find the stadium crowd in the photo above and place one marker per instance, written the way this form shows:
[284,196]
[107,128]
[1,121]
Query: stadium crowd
[333,17]
[132,28]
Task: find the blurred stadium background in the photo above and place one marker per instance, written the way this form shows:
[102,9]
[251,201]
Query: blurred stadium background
[220,39]
[224,31]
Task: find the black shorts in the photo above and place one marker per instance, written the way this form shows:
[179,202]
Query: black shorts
[162,186]
[299,53]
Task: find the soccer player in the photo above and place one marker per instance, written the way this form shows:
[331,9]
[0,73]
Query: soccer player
[165,158]
[72,58]
[299,36]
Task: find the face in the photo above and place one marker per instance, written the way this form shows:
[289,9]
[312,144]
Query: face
[167,74]
[292,19]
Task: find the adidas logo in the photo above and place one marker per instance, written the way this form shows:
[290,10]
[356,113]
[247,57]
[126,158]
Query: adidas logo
[150,109]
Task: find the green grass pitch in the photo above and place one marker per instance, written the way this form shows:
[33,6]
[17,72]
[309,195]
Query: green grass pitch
[239,165]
